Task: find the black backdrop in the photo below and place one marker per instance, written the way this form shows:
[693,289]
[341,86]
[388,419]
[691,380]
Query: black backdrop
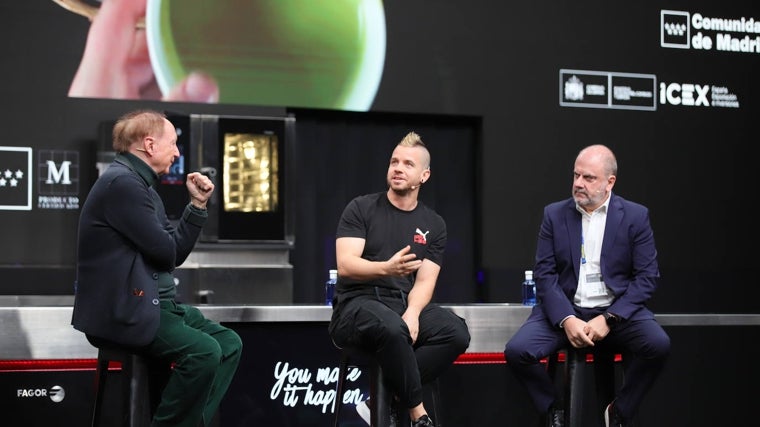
[342,155]
[692,165]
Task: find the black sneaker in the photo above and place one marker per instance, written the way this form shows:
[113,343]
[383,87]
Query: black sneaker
[555,417]
[613,418]
[362,408]
[423,421]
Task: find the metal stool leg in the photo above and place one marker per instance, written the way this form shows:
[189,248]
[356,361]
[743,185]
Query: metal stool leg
[575,378]
[101,372]
[435,402]
[575,373]
[342,372]
[138,376]
[604,382]
[139,388]
[380,399]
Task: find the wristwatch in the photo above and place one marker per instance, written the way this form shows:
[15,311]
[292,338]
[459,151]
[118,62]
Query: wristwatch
[610,318]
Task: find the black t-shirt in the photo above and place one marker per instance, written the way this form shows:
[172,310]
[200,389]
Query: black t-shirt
[387,229]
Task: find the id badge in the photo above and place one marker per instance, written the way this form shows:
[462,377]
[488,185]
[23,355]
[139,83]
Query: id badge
[595,285]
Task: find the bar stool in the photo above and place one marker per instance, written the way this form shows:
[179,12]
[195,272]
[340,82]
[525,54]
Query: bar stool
[575,376]
[380,398]
[142,381]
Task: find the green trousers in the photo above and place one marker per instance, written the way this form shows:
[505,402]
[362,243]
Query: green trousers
[205,356]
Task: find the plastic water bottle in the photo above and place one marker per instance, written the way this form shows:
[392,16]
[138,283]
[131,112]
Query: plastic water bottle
[330,286]
[529,289]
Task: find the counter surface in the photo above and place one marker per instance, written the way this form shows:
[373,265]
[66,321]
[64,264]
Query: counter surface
[40,328]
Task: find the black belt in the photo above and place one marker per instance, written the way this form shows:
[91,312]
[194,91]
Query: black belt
[378,291]
[387,292]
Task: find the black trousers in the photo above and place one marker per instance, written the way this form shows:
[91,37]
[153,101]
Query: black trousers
[373,322]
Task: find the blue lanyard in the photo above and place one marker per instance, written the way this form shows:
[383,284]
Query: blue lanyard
[583,251]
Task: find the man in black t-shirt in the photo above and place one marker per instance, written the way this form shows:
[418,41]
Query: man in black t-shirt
[389,251]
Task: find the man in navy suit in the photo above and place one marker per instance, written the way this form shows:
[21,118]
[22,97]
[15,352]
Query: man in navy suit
[596,268]
[127,252]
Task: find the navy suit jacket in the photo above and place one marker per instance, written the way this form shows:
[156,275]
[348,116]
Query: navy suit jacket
[628,259]
[125,241]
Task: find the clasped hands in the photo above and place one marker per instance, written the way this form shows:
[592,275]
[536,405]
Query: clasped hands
[584,334]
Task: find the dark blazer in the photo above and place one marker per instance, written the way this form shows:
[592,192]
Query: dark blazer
[628,260]
[125,241]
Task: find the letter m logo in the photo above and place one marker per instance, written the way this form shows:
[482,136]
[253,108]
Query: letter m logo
[56,175]
[58,172]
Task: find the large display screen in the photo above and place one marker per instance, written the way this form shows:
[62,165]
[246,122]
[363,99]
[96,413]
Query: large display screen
[286,52]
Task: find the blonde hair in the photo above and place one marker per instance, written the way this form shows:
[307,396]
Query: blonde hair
[412,139]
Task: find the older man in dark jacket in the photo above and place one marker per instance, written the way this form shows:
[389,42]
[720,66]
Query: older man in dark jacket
[127,252]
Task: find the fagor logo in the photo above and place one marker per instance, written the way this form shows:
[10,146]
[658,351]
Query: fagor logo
[56,393]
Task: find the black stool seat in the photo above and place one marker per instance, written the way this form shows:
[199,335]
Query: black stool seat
[142,380]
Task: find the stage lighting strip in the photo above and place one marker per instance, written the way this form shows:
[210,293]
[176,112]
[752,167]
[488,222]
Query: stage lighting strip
[52,365]
[498,358]
[90,364]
